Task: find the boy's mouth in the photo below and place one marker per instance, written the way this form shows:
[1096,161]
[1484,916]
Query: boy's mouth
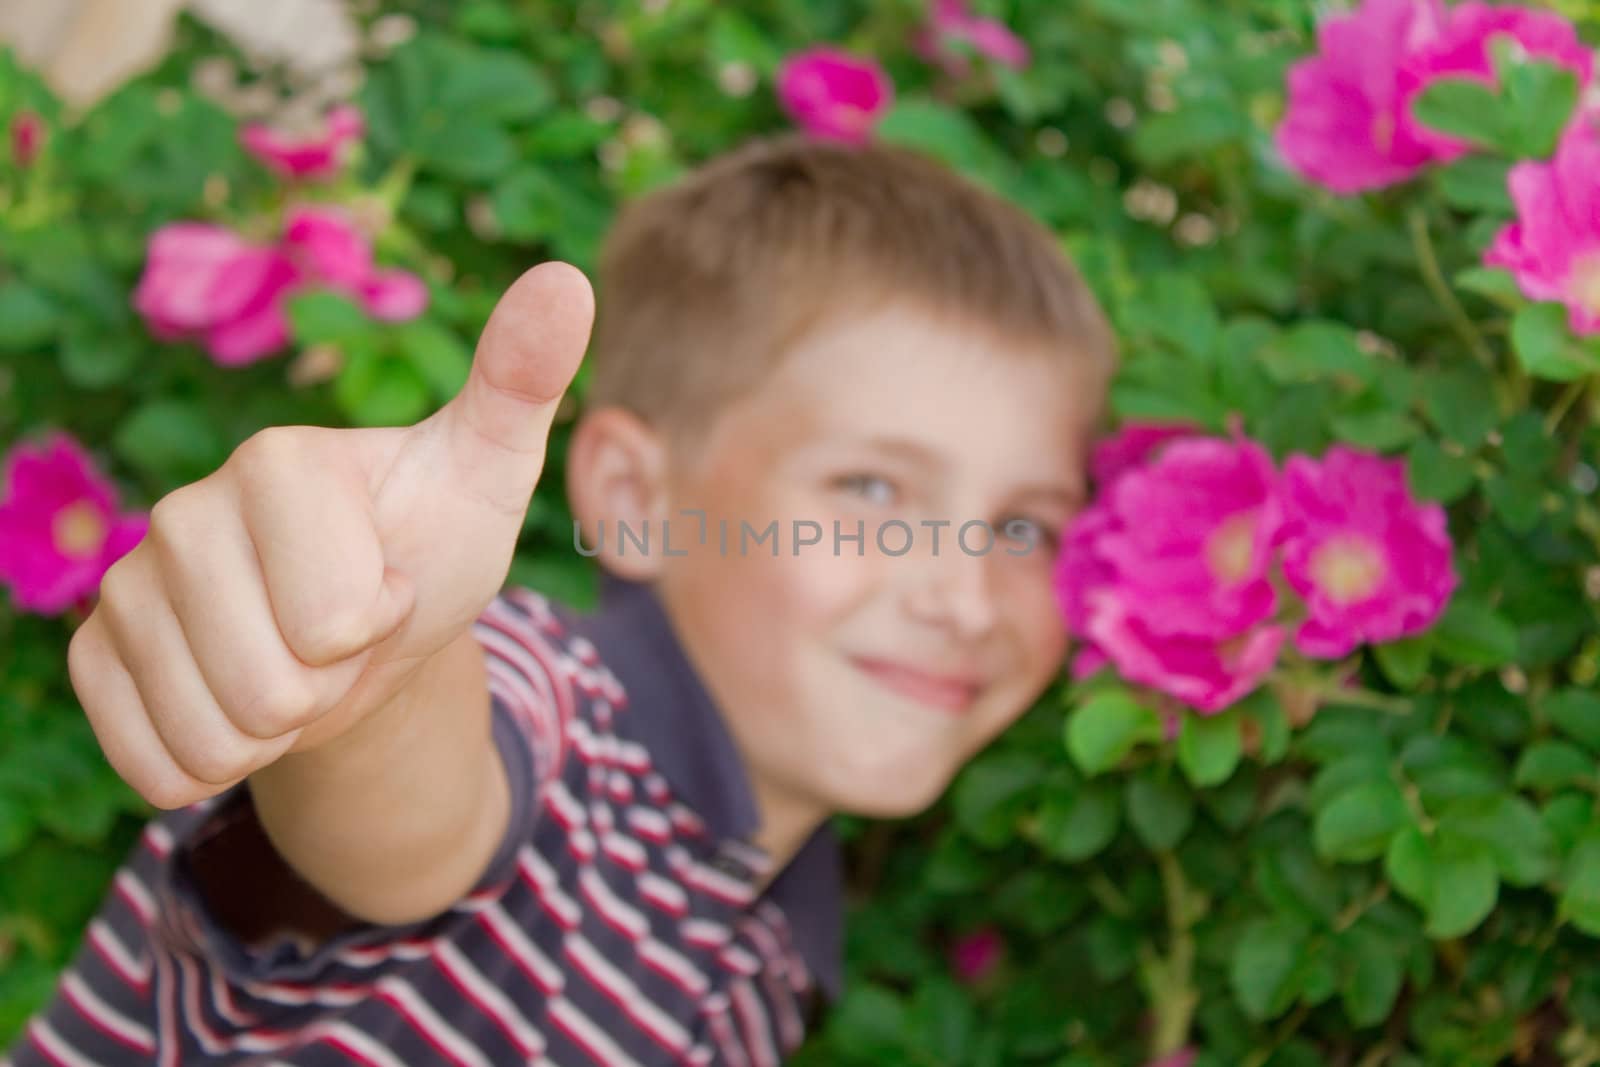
[950,693]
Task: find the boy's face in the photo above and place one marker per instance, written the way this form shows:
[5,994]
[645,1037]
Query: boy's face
[821,659]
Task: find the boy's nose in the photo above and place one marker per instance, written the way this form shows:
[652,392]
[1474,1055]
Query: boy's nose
[952,589]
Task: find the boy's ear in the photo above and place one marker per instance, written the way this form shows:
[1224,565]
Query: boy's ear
[616,474]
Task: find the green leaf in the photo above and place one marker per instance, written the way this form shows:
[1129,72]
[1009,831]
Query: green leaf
[469,149]
[438,355]
[174,441]
[1576,713]
[97,361]
[323,316]
[1496,283]
[493,84]
[1475,635]
[1380,431]
[1580,899]
[1263,965]
[1357,824]
[1316,351]
[1465,888]
[1408,863]
[1509,829]
[1434,474]
[1209,747]
[1106,728]
[1404,662]
[1177,309]
[1550,765]
[1518,500]
[394,395]
[989,794]
[948,134]
[1546,347]
[1461,403]
[28,317]
[1476,183]
[1539,97]
[1160,808]
[870,1023]
[1463,108]
[1372,974]
[1074,825]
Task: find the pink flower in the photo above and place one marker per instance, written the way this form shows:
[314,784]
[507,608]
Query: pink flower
[1167,574]
[208,282]
[328,249]
[1131,446]
[1553,247]
[975,956]
[1347,126]
[1463,50]
[27,138]
[1182,1058]
[834,95]
[1371,563]
[320,155]
[60,529]
[953,28]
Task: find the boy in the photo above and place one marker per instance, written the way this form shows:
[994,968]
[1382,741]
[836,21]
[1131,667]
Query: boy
[416,818]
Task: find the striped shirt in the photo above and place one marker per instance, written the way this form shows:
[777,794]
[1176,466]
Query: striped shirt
[618,923]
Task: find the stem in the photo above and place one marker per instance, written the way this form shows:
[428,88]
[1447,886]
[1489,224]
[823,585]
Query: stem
[1564,402]
[1172,979]
[1286,1031]
[1109,896]
[1434,279]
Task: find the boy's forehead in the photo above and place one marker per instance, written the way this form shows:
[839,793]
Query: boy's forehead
[924,390]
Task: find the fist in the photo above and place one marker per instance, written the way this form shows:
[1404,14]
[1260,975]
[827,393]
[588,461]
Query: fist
[281,600]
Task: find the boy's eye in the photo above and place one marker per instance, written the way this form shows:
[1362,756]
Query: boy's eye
[871,486]
[1035,531]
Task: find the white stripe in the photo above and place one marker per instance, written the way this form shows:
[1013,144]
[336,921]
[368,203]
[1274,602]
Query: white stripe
[431,1023]
[363,1043]
[52,1043]
[550,886]
[646,1012]
[754,1017]
[117,954]
[668,893]
[88,1002]
[143,903]
[591,1035]
[222,1001]
[545,973]
[159,838]
[675,965]
[739,960]
[490,1000]
[625,850]
[650,822]
[611,906]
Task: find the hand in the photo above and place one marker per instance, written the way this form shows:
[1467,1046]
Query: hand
[276,603]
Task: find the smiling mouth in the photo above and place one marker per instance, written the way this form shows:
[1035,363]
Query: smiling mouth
[943,694]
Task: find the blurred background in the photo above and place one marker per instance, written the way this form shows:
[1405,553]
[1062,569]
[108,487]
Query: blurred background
[1391,859]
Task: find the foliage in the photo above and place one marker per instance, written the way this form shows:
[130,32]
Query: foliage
[1402,870]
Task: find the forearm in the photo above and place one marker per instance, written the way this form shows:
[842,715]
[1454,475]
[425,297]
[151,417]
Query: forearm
[398,818]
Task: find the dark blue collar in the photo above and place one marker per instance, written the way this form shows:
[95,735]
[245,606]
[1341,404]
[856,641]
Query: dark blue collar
[673,715]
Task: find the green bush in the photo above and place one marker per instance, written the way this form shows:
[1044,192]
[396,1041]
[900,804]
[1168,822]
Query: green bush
[1405,871]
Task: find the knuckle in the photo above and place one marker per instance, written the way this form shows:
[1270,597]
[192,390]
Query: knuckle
[219,760]
[327,640]
[276,709]
[267,448]
[170,792]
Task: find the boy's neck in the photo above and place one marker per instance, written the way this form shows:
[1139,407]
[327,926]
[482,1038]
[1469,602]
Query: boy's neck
[787,823]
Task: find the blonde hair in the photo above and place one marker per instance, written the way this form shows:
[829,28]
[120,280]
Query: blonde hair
[704,284]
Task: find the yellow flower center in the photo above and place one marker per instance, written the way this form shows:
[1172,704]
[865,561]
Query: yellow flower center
[1231,547]
[1347,569]
[1383,126]
[1586,284]
[79,530]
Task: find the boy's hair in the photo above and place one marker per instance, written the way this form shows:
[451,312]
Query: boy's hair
[706,283]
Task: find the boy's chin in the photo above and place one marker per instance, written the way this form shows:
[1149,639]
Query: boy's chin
[889,797]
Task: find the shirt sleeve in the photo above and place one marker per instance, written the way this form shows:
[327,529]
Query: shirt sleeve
[221,868]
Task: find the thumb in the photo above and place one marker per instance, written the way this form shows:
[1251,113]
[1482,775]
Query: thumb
[396,597]
[497,427]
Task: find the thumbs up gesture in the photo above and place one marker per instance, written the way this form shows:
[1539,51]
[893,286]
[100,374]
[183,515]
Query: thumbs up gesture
[277,602]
